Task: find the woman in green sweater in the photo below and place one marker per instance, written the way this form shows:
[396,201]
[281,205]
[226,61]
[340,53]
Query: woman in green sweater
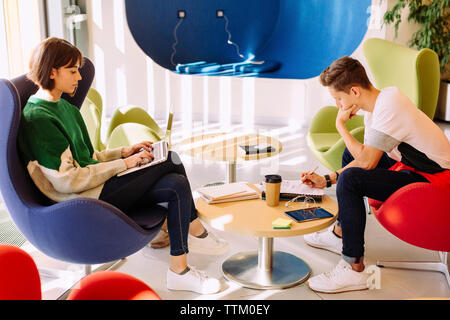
[56,149]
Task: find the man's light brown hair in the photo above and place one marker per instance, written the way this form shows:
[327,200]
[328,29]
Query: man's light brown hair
[345,73]
[52,53]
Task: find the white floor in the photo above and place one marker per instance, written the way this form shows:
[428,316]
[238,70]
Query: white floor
[150,265]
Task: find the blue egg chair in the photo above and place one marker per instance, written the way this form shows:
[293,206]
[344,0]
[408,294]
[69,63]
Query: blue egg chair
[294,39]
[81,231]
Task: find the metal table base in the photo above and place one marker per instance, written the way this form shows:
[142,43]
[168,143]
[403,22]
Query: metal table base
[231,172]
[266,269]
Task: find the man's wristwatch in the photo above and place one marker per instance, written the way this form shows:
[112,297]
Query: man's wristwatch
[327,177]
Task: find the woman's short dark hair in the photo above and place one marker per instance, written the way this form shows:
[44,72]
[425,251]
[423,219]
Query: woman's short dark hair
[345,73]
[52,53]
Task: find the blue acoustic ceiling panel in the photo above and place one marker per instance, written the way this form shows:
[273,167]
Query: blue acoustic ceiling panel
[287,38]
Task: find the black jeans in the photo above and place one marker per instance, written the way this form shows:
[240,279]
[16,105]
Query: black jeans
[356,183]
[164,182]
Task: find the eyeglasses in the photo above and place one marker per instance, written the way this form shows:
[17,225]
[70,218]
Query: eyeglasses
[305,200]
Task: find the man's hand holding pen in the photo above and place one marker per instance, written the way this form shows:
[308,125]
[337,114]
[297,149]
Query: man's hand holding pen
[313,180]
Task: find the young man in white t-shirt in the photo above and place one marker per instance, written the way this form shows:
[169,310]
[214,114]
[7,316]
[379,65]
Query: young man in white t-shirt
[401,146]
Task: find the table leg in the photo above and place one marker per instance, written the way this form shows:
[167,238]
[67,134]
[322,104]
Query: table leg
[231,175]
[231,172]
[266,269]
[265,254]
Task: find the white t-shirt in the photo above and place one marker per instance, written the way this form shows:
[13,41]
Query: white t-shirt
[397,127]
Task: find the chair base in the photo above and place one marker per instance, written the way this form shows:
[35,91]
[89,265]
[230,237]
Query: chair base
[367,205]
[53,273]
[57,273]
[442,266]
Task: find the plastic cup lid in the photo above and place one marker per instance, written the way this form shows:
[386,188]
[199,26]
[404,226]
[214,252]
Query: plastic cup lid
[273,178]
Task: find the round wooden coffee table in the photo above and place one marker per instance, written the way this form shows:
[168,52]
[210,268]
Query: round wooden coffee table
[225,147]
[264,268]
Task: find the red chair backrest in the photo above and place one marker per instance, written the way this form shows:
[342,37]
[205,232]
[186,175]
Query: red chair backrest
[111,285]
[19,277]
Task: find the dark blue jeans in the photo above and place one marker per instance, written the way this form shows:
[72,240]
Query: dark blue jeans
[164,182]
[356,183]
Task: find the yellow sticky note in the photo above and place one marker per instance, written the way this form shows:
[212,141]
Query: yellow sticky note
[282,223]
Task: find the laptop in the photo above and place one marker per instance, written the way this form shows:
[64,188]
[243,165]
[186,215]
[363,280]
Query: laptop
[160,152]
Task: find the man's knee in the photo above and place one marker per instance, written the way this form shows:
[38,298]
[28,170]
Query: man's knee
[350,178]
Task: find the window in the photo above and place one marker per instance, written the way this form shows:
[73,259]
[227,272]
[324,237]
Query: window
[20,32]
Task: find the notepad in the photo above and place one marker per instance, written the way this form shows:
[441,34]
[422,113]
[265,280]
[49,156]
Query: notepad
[297,187]
[228,192]
[282,223]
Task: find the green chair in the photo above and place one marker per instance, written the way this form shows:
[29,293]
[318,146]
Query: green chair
[91,111]
[324,140]
[133,114]
[130,125]
[95,97]
[128,134]
[415,73]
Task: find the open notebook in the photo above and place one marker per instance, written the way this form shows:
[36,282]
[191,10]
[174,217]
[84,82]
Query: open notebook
[293,188]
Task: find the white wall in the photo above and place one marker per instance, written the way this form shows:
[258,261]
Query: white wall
[4,67]
[55,18]
[126,76]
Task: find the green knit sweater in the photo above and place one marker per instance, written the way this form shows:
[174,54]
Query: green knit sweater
[55,146]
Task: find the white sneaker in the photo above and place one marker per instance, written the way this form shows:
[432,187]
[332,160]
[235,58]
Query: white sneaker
[209,245]
[194,280]
[341,279]
[324,240]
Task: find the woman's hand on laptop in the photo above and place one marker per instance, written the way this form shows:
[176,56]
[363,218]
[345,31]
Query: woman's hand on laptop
[129,151]
[138,159]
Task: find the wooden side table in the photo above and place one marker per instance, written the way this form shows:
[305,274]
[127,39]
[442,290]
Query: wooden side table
[225,147]
[264,268]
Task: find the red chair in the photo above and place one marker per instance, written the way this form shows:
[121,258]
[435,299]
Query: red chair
[111,285]
[19,280]
[19,277]
[418,214]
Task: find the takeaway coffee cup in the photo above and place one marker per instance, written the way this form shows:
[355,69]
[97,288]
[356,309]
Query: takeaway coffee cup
[273,186]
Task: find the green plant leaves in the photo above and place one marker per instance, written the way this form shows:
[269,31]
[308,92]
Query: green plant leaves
[433,16]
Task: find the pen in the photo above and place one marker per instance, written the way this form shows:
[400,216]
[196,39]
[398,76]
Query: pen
[314,171]
[310,172]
